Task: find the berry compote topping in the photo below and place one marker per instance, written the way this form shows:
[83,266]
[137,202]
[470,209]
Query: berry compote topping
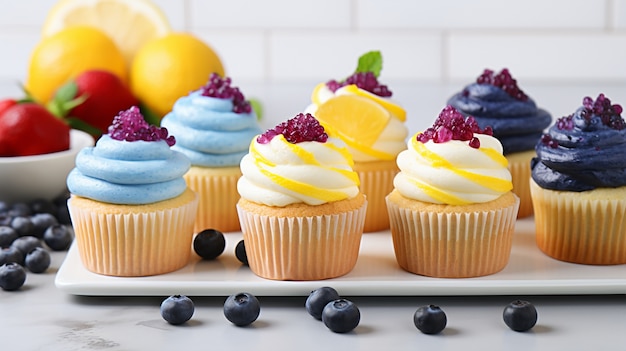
[364,80]
[610,115]
[303,127]
[220,88]
[452,125]
[504,81]
[130,125]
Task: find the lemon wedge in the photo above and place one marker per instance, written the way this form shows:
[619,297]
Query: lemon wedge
[395,109]
[129,23]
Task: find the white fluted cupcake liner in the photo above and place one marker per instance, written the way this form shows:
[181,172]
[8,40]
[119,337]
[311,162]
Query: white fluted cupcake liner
[519,165]
[302,248]
[134,244]
[586,228]
[218,198]
[452,245]
[376,184]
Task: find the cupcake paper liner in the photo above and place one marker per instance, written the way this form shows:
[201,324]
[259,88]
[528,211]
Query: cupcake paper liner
[134,244]
[376,184]
[302,248]
[578,228]
[452,245]
[218,198]
[519,166]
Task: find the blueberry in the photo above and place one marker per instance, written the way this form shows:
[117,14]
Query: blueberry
[520,315]
[38,260]
[12,276]
[240,252]
[26,244]
[20,209]
[63,215]
[242,309]
[430,319]
[42,206]
[11,255]
[209,244]
[341,315]
[177,309]
[5,219]
[7,236]
[23,226]
[4,206]
[318,299]
[41,222]
[58,237]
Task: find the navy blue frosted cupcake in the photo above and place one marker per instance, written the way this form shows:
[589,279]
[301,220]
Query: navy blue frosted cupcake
[578,185]
[496,100]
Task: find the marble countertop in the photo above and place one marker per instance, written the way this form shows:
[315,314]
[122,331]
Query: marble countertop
[41,317]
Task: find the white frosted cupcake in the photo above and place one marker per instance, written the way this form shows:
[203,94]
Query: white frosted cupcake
[301,210]
[452,212]
[131,209]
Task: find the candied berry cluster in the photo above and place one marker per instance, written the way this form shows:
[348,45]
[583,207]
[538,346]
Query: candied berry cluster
[364,80]
[303,127]
[221,89]
[130,125]
[504,81]
[452,125]
[549,142]
[610,115]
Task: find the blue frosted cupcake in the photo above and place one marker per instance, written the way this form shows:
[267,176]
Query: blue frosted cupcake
[214,126]
[496,100]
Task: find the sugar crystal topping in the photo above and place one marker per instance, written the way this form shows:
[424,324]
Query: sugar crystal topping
[302,127]
[452,125]
[130,125]
[220,88]
[504,81]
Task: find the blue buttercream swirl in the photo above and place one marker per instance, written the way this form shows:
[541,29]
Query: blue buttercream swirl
[584,156]
[128,172]
[517,124]
[209,132]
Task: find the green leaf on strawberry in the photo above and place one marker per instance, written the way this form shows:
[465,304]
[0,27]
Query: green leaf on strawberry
[65,100]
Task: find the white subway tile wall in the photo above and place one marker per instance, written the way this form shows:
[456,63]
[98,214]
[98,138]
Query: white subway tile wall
[423,41]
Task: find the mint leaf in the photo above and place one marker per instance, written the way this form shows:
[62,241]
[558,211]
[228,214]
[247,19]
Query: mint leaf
[370,62]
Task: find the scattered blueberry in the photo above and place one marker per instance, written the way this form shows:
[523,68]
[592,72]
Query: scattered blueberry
[240,252]
[12,276]
[430,319]
[4,206]
[38,260]
[242,309]
[341,316]
[209,244]
[58,237]
[26,244]
[7,236]
[20,209]
[520,315]
[42,206]
[318,299]
[11,255]
[177,309]
[41,222]
[23,226]
[5,219]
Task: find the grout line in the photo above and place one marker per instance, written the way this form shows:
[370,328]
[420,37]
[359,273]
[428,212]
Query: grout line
[609,24]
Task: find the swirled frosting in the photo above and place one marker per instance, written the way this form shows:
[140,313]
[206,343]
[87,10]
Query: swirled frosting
[583,151]
[278,172]
[128,172]
[392,138]
[516,120]
[208,132]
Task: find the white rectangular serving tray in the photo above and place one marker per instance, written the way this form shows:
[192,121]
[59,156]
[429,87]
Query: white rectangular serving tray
[529,272]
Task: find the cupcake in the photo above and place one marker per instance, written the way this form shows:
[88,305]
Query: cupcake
[452,212]
[495,100]
[578,186]
[131,210]
[213,126]
[301,210]
[362,112]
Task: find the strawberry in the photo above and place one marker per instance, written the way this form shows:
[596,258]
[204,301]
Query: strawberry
[6,104]
[30,129]
[96,97]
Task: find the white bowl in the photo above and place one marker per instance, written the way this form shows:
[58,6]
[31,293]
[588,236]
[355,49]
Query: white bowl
[27,178]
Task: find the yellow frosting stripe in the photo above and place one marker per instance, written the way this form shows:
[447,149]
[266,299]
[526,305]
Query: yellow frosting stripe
[438,194]
[304,155]
[489,182]
[369,151]
[344,152]
[496,156]
[258,157]
[303,188]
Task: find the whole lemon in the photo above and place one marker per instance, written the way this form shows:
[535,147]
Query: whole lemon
[169,67]
[64,55]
